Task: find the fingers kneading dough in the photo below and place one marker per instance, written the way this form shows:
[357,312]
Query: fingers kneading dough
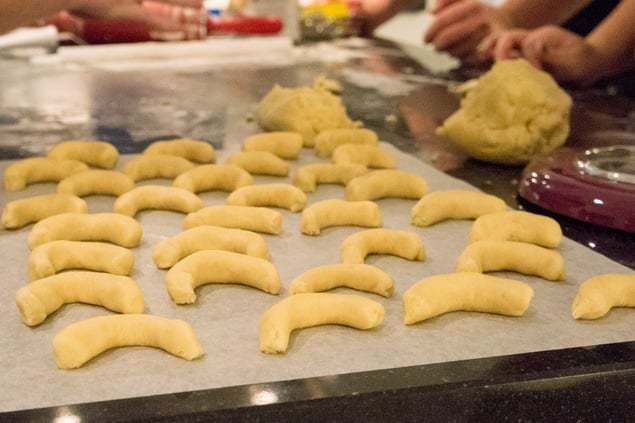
[214,177]
[403,244]
[193,150]
[157,198]
[362,277]
[150,166]
[441,294]
[327,141]
[274,195]
[79,342]
[599,294]
[93,153]
[367,155]
[96,182]
[42,297]
[308,177]
[517,226]
[387,183]
[455,204]
[39,169]
[257,219]
[307,310]
[259,163]
[335,212]
[19,213]
[286,145]
[215,266]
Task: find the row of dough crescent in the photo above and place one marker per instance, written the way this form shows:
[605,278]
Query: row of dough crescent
[22,212]
[94,153]
[335,212]
[157,197]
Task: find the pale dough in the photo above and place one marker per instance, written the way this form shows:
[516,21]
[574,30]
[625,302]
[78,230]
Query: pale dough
[517,226]
[192,150]
[96,182]
[455,204]
[308,177]
[599,294]
[156,166]
[386,183]
[362,277]
[257,219]
[394,242]
[327,141]
[157,197]
[259,163]
[285,145]
[335,212]
[274,195]
[19,213]
[367,155]
[214,177]
[39,169]
[93,153]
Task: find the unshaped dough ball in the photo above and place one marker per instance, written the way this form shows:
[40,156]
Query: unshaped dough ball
[510,114]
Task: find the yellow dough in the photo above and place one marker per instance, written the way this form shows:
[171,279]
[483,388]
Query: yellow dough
[43,296]
[157,198]
[151,166]
[79,342]
[93,153]
[192,150]
[599,294]
[517,226]
[386,183]
[521,257]
[53,257]
[308,310]
[215,266]
[274,195]
[214,177]
[259,163]
[257,219]
[455,204]
[39,169]
[441,294]
[109,227]
[19,213]
[96,182]
[510,114]
[286,145]
[308,177]
[339,213]
[169,251]
[362,277]
[327,141]
[367,155]
[394,242]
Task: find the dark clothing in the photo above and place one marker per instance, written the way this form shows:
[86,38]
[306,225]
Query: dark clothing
[591,16]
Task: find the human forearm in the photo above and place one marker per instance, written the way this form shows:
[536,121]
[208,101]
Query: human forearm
[535,13]
[16,13]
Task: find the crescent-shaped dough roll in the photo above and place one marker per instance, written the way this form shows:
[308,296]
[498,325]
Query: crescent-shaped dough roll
[193,150]
[386,183]
[367,155]
[308,177]
[327,141]
[362,277]
[286,145]
[151,166]
[324,214]
[109,227]
[43,296]
[96,182]
[394,242]
[93,153]
[157,197]
[308,310]
[39,169]
[214,178]
[169,251]
[19,213]
[599,294]
[274,195]
[259,163]
[521,257]
[215,266]
[441,294]
[256,219]
[79,342]
[455,204]
[517,226]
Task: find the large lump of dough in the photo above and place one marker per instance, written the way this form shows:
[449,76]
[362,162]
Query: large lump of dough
[510,114]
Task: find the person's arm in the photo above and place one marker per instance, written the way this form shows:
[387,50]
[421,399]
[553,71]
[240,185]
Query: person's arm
[375,12]
[17,13]
[535,13]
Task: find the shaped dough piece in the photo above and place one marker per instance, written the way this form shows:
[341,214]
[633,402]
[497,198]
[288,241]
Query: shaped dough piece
[109,227]
[274,195]
[259,163]
[169,251]
[455,204]
[517,226]
[599,294]
[39,169]
[286,145]
[324,214]
[215,266]
[403,244]
[387,183]
[307,310]
[157,198]
[214,177]
[193,150]
[441,294]
[153,166]
[81,341]
[362,277]
[43,296]
[19,213]
[367,155]
[93,153]
[96,182]
[308,177]
[327,141]
[256,219]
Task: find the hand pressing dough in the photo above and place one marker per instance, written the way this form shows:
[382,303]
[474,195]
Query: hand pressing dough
[335,212]
[387,183]
[441,294]
[362,277]
[215,266]
[151,166]
[43,296]
[192,150]
[599,294]
[286,145]
[39,169]
[517,226]
[403,244]
[93,153]
[109,227]
[327,141]
[274,195]
[256,219]
[367,155]
[79,342]
[96,182]
[214,178]
[19,213]
[308,310]
[308,177]
[157,198]
[259,163]
[455,204]
[169,251]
